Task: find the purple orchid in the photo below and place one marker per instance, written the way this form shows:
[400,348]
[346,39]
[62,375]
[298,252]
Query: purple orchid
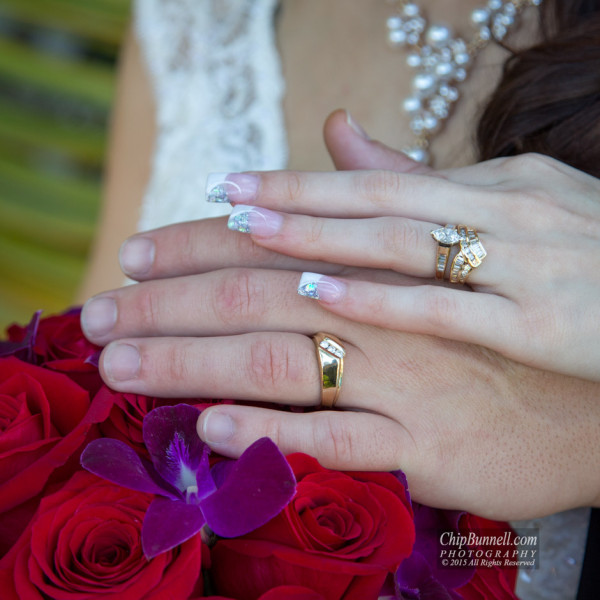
[421,576]
[233,498]
[23,349]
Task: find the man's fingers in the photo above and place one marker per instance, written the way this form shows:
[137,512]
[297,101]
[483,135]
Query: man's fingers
[349,440]
[198,247]
[225,302]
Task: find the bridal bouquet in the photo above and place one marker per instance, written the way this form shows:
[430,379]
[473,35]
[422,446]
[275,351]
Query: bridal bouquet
[111,495]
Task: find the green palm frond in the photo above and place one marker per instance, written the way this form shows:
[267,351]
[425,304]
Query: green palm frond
[57,80]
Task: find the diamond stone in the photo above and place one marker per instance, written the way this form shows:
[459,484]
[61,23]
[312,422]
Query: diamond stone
[309,290]
[218,194]
[239,222]
[446,235]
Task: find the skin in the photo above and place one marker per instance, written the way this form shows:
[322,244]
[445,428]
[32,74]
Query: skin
[472,429]
[343,41]
[538,219]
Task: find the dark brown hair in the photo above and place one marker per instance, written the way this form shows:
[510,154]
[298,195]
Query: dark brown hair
[548,99]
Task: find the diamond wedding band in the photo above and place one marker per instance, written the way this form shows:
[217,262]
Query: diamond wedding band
[469,256]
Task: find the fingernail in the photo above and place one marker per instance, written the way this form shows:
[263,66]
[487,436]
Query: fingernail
[321,287]
[136,255]
[231,187]
[258,221]
[98,316]
[121,362]
[356,127]
[217,427]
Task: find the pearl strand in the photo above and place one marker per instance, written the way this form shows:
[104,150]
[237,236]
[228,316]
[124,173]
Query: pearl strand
[442,61]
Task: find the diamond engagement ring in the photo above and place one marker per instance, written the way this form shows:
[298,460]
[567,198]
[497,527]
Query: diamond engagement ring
[330,354]
[469,256]
[446,237]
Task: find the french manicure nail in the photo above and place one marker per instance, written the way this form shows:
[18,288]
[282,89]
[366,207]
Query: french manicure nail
[98,316]
[121,361]
[217,427]
[231,187]
[321,287]
[258,221]
[356,127]
[136,256]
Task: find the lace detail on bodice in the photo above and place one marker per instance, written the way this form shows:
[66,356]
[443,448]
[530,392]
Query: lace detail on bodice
[218,89]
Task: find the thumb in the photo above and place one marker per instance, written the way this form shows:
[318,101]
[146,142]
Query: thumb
[351,148]
[343,440]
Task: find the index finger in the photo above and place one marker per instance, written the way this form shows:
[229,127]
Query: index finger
[353,194]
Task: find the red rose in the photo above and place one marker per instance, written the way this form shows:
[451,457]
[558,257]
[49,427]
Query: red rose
[489,582]
[59,344]
[340,536]
[45,419]
[283,592]
[85,541]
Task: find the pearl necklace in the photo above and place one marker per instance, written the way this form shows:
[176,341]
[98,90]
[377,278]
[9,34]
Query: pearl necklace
[442,61]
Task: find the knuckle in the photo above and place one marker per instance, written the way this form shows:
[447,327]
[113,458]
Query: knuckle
[375,303]
[269,364]
[315,231]
[187,246]
[149,309]
[528,164]
[174,365]
[245,248]
[239,297]
[439,308]
[331,437]
[378,187]
[533,205]
[398,238]
[291,188]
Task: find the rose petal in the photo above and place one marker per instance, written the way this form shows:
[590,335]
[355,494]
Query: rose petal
[169,523]
[117,462]
[177,452]
[264,480]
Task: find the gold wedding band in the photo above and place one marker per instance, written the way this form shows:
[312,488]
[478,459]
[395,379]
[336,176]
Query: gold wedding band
[330,353]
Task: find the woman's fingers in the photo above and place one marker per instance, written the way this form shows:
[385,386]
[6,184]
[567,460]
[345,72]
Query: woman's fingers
[402,245]
[353,194]
[351,148]
[457,314]
[356,441]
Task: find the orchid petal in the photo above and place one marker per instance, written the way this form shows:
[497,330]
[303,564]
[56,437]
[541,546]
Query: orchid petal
[117,462]
[23,349]
[257,488]
[169,523]
[177,452]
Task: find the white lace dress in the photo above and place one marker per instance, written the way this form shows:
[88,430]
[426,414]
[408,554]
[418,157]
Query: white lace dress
[218,86]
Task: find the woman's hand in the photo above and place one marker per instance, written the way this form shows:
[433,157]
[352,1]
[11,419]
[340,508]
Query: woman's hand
[471,429]
[537,291]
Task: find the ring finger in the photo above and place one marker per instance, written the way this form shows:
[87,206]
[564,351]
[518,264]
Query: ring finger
[396,243]
[269,367]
